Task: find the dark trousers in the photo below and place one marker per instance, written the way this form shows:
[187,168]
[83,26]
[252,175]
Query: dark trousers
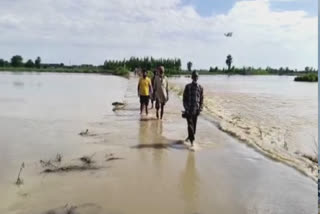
[192,126]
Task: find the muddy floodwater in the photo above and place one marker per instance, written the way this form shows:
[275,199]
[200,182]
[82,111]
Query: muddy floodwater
[137,165]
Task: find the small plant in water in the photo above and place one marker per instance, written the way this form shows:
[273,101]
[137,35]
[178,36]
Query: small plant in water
[84,132]
[87,159]
[19,180]
[58,158]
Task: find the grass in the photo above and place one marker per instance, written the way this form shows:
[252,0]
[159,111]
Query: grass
[307,78]
[122,71]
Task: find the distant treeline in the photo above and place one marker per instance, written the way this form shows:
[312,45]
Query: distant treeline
[254,71]
[148,63]
[122,67]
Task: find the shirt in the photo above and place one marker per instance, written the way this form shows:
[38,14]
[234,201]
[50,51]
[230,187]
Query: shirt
[193,98]
[160,88]
[144,86]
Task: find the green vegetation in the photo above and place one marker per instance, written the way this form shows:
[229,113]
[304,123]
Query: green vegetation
[17,61]
[229,61]
[121,71]
[189,66]
[257,71]
[312,77]
[123,67]
[146,62]
[29,64]
[172,66]
[37,62]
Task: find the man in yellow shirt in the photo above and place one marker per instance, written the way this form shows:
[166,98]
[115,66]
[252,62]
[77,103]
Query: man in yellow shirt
[144,91]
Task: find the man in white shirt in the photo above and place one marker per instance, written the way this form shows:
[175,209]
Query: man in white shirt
[161,90]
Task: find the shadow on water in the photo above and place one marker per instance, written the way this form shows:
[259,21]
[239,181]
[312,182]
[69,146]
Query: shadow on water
[174,145]
[150,137]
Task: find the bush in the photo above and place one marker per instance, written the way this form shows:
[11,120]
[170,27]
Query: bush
[121,71]
[307,78]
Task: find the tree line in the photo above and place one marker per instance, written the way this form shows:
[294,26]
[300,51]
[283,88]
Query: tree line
[17,61]
[172,66]
[148,63]
[251,70]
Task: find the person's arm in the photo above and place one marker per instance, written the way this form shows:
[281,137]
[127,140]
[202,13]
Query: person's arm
[150,87]
[185,98]
[167,89]
[154,85]
[138,88]
[201,98]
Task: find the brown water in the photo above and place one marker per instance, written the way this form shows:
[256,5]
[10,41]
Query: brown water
[43,114]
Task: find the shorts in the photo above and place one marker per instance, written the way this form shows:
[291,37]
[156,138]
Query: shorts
[144,100]
[158,103]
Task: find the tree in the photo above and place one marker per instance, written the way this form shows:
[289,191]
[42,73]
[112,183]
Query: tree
[37,62]
[29,64]
[189,65]
[2,63]
[17,61]
[229,61]
[6,63]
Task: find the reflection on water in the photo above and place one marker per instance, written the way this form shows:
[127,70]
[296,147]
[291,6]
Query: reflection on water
[158,155]
[190,184]
[150,137]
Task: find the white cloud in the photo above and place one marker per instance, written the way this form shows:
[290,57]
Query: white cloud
[90,31]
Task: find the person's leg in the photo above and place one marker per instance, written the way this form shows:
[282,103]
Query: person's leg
[162,107]
[195,120]
[141,104]
[190,129]
[157,108]
[147,103]
[194,123]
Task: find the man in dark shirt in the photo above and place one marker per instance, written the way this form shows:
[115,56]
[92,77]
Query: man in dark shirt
[193,104]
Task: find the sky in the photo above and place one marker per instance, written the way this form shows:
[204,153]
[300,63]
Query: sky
[276,33]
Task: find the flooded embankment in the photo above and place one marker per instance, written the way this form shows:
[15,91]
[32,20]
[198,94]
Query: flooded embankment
[123,164]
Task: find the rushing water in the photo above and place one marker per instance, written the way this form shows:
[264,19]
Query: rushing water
[275,113]
[42,114]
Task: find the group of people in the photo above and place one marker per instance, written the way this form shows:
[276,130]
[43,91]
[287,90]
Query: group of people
[156,89]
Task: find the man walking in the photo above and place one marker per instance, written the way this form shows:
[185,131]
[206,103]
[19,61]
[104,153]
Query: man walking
[193,104]
[144,91]
[161,90]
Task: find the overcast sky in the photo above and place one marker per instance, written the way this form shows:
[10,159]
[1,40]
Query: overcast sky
[265,32]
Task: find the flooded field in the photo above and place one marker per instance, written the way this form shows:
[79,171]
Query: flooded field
[123,164]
